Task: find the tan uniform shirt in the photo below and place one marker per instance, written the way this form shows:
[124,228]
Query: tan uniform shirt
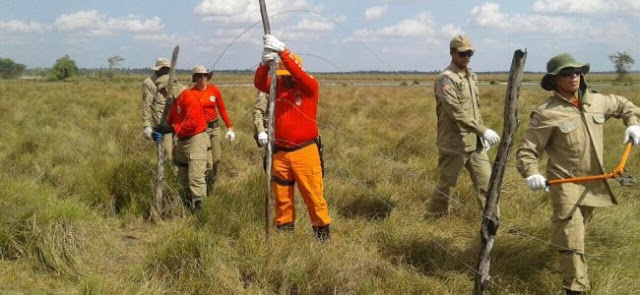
[459,120]
[573,140]
[260,112]
[150,102]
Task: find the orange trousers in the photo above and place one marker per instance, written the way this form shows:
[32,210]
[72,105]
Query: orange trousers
[303,167]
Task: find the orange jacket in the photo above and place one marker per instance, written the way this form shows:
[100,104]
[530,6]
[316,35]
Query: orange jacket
[296,107]
[186,116]
[210,99]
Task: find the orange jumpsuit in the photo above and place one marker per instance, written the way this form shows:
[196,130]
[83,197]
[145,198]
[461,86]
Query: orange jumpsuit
[296,157]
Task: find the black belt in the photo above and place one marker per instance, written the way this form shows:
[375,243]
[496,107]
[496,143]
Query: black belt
[212,124]
[277,148]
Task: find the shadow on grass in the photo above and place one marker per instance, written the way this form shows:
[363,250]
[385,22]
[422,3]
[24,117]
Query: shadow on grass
[367,207]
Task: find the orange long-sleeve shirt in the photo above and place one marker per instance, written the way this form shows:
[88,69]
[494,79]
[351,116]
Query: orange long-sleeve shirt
[296,107]
[186,115]
[211,99]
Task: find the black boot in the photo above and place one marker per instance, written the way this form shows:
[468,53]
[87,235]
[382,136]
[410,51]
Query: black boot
[323,233]
[286,228]
[571,292]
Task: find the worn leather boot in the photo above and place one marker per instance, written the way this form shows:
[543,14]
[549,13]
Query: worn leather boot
[323,233]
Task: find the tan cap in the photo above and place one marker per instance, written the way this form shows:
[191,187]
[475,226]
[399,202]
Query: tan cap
[461,43]
[200,69]
[161,63]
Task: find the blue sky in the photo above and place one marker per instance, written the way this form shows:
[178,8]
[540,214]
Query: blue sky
[332,35]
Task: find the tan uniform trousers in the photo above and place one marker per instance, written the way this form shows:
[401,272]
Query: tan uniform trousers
[568,227]
[214,156]
[167,147]
[191,156]
[450,165]
[301,166]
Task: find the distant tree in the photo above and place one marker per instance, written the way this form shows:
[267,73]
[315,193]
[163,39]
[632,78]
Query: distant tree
[114,61]
[64,68]
[10,69]
[622,61]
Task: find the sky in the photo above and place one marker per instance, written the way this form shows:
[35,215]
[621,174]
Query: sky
[330,35]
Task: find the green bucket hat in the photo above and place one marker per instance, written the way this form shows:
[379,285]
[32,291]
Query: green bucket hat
[556,64]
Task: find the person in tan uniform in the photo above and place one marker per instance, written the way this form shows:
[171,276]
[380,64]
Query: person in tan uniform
[260,119]
[463,139]
[153,105]
[569,128]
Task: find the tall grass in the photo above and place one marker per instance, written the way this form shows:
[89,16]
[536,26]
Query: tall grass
[76,184]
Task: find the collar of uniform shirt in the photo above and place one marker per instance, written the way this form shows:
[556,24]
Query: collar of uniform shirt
[574,101]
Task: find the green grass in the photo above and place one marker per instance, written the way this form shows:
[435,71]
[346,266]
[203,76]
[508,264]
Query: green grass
[76,186]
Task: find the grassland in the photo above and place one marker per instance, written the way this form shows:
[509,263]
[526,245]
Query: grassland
[76,186]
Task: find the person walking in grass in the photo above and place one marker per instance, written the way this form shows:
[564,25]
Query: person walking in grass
[296,152]
[569,128]
[191,153]
[212,105]
[463,139]
[153,105]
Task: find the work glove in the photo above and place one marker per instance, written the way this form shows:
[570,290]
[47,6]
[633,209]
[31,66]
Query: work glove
[230,135]
[148,132]
[536,182]
[268,56]
[272,43]
[157,136]
[485,144]
[491,137]
[633,133]
[263,138]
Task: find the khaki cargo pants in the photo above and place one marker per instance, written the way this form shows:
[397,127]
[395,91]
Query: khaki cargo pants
[190,156]
[568,227]
[450,165]
[214,156]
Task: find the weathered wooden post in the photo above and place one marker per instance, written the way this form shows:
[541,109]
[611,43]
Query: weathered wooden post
[490,220]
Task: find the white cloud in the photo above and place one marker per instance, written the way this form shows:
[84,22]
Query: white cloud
[375,12]
[587,6]
[313,25]
[247,11]
[423,26]
[451,30]
[22,27]
[489,15]
[96,24]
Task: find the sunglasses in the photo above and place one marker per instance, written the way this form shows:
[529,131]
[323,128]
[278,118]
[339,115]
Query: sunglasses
[468,53]
[201,76]
[566,72]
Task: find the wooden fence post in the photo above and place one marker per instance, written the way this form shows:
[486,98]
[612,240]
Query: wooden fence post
[490,220]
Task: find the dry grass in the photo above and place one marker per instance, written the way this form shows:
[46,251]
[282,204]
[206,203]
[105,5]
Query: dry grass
[76,184]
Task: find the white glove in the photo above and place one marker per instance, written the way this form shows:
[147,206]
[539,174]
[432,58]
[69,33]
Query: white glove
[491,137]
[485,144]
[263,138]
[536,182]
[633,133]
[148,131]
[272,43]
[230,135]
[268,56]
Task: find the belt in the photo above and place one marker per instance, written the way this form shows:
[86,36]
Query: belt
[277,148]
[212,124]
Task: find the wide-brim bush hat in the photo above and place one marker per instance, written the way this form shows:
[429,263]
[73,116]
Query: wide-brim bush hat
[200,69]
[161,63]
[556,64]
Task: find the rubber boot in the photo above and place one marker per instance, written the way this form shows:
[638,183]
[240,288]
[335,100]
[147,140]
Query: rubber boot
[322,234]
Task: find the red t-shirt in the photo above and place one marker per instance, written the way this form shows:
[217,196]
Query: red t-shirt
[210,99]
[296,107]
[186,116]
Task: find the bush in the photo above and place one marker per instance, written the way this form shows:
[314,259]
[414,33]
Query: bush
[10,69]
[64,68]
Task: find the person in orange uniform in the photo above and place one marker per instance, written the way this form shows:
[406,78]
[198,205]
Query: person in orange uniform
[211,100]
[296,149]
[186,121]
